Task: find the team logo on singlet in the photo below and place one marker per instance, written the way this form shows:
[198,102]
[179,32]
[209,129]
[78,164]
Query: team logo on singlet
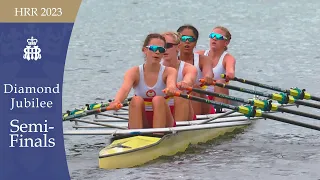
[151,93]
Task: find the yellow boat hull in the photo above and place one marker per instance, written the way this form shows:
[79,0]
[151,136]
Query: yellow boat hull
[138,150]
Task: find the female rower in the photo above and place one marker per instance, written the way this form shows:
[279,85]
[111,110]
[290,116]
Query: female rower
[148,108]
[222,61]
[186,77]
[189,37]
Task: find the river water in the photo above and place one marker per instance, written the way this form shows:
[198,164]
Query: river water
[275,42]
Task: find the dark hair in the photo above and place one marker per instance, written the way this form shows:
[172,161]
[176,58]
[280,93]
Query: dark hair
[153,36]
[189,26]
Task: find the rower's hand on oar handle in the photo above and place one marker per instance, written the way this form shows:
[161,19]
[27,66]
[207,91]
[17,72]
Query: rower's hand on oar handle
[170,91]
[207,81]
[182,85]
[228,76]
[114,105]
[204,82]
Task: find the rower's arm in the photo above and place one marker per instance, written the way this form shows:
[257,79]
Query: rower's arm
[190,74]
[206,67]
[171,77]
[230,64]
[221,90]
[128,82]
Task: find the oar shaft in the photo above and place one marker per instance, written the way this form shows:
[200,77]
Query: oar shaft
[100,124]
[275,88]
[278,97]
[92,106]
[304,103]
[299,113]
[295,92]
[219,116]
[274,96]
[257,103]
[315,98]
[89,112]
[248,111]
[249,91]
[224,96]
[281,119]
[228,106]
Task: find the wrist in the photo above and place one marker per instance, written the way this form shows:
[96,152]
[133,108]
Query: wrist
[116,101]
[186,82]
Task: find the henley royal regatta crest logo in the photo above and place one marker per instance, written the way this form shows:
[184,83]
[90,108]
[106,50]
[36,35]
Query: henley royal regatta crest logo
[32,51]
[151,93]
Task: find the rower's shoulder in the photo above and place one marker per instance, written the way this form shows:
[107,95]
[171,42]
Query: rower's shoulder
[133,71]
[169,69]
[229,57]
[186,64]
[189,67]
[134,68]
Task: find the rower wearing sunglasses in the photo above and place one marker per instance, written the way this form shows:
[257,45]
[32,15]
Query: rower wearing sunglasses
[189,36]
[222,61]
[153,83]
[186,77]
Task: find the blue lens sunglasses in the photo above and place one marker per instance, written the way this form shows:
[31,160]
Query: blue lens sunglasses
[189,38]
[217,36]
[155,48]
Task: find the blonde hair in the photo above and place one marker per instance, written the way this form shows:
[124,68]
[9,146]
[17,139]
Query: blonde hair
[175,35]
[225,30]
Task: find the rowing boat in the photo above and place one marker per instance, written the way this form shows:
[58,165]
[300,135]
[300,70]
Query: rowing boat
[134,147]
[125,152]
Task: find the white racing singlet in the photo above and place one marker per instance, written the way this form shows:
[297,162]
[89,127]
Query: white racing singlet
[218,69]
[179,78]
[146,92]
[180,71]
[196,63]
